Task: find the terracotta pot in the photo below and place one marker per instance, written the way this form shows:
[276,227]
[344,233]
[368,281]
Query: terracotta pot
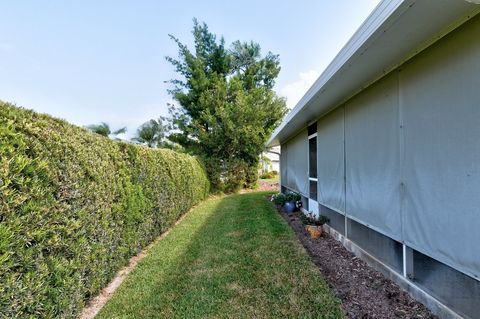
[314,231]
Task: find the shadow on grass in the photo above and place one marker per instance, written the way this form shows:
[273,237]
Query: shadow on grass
[231,257]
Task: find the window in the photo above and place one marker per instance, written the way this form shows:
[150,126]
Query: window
[312,158]
[313,190]
[312,129]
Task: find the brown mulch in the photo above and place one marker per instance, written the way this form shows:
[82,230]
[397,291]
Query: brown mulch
[363,291]
[263,186]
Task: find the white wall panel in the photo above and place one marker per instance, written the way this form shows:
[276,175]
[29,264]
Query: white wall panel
[373,157]
[330,159]
[440,94]
[297,159]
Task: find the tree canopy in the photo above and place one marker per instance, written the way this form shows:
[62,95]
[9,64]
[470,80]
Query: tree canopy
[227,107]
[105,130]
[151,133]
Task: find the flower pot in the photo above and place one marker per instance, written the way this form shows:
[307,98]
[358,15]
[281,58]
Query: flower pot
[289,207]
[314,231]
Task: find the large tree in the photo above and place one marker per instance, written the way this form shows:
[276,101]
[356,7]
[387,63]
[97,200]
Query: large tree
[227,106]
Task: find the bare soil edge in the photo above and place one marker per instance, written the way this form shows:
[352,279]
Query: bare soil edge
[96,304]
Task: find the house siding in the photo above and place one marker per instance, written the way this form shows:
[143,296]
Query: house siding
[410,164]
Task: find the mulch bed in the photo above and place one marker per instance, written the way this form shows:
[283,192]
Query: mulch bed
[267,186]
[363,291]
[263,186]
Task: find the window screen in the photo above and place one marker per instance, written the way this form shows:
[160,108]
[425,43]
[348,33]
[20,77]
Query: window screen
[313,190]
[312,164]
[312,129]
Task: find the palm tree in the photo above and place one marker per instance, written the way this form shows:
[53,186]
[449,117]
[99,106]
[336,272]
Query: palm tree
[151,133]
[104,129]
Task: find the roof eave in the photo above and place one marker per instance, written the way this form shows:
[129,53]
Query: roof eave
[393,33]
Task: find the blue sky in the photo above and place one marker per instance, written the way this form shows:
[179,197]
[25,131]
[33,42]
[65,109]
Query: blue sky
[90,61]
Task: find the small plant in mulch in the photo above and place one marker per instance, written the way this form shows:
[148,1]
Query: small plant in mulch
[313,224]
[279,199]
[311,219]
[290,201]
[294,202]
[293,197]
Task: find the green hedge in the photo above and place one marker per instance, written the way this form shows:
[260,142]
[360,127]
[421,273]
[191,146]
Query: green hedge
[75,206]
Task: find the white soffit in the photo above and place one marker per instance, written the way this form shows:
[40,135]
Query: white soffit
[393,33]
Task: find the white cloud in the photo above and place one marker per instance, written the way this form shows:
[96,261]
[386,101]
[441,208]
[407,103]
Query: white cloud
[296,90]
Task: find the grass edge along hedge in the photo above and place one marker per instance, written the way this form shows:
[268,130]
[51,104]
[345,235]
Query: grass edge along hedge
[75,206]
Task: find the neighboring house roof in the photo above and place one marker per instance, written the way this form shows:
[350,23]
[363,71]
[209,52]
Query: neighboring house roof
[394,32]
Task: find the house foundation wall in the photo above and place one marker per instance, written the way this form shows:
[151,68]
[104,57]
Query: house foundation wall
[416,291]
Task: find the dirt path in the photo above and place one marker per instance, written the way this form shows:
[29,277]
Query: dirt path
[364,292]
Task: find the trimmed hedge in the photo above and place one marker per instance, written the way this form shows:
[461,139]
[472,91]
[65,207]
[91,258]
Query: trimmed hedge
[75,206]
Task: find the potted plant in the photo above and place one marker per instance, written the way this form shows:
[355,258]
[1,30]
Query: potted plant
[292,200]
[279,199]
[313,225]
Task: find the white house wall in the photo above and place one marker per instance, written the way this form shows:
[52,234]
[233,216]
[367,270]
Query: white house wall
[373,157]
[412,153]
[330,159]
[297,163]
[440,103]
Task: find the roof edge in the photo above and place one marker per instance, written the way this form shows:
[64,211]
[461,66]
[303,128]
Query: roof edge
[383,17]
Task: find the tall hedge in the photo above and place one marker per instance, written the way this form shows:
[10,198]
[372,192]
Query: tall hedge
[75,206]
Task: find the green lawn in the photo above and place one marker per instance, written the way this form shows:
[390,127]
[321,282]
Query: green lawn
[231,257]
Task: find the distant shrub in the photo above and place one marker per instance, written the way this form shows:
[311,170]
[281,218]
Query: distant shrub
[264,175]
[75,206]
[230,176]
[268,175]
[251,176]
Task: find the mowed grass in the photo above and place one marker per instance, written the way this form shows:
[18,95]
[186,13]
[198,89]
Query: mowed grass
[231,257]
